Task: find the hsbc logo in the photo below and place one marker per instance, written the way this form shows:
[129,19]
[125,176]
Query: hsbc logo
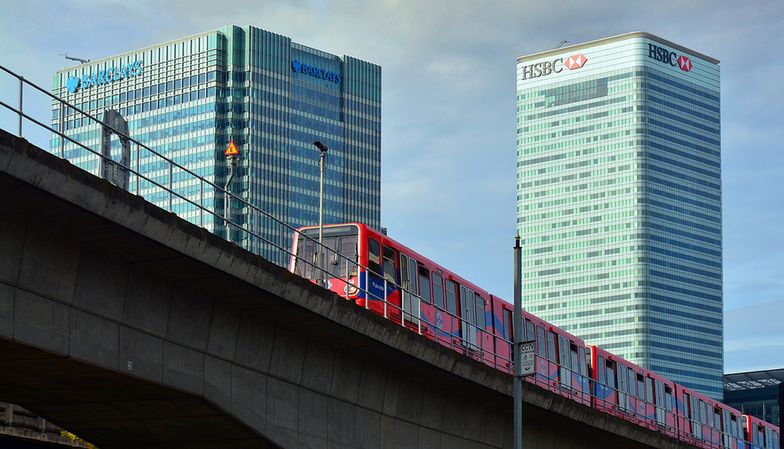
[557,65]
[669,57]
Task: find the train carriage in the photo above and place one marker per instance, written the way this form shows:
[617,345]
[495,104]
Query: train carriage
[400,285]
[760,434]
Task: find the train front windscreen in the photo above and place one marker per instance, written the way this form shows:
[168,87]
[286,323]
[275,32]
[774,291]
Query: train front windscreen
[339,241]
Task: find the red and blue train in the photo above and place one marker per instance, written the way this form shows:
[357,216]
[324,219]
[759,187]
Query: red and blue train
[401,285]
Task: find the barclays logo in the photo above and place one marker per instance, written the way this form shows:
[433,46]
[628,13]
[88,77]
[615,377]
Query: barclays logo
[74,83]
[315,72]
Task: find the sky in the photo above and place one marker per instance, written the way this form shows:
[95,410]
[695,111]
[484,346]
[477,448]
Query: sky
[448,112]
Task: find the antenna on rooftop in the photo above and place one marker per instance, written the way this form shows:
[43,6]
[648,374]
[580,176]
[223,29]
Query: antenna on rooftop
[562,44]
[73,58]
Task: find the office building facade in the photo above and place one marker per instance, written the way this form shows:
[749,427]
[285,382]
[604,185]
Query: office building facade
[757,393]
[187,98]
[619,200]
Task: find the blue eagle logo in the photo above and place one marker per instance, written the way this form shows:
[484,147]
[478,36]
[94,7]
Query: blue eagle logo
[296,65]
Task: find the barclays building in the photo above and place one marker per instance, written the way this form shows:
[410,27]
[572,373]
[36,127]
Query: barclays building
[187,98]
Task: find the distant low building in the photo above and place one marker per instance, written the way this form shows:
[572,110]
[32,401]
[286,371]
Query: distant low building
[757,393]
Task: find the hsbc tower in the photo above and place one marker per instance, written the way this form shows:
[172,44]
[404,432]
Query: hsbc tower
[619,200]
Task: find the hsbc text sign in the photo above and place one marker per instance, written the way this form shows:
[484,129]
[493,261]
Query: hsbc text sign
[557,65]
[669,57]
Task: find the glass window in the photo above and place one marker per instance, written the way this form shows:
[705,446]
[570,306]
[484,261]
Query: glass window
[508,329]
[600,369]
[480,313]
[640,387]
[154,89]
[438,290]
[177,84]
[131,95]
[123,96]
[649,390]
[202,78]
[374,256]
[541,346]
[424,283]
[451,297]
[551,350]
[170,85]
[390,270]
[186,82]
[530,333]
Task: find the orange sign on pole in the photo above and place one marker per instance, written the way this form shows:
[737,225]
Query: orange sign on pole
[232,149]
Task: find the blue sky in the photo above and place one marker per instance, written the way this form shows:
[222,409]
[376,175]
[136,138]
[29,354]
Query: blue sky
[448,126]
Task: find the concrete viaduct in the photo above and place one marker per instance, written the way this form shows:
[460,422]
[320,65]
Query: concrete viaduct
[133,328]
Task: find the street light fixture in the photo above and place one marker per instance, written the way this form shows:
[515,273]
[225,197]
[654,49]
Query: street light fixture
[322,163]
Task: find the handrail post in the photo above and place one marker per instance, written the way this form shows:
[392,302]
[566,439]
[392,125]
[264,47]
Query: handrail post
[62,131]
[21,110]
[385,297]
[419,314]
[201,204]
[138,173]
[171,184]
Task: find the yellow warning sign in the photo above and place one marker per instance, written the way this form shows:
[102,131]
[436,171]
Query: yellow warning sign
[232,149]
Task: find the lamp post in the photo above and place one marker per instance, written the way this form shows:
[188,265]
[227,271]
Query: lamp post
[518,339]
[322,163]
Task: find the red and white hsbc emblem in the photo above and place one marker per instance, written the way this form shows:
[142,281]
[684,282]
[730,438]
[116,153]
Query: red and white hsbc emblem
[684,63]
[557,65]
[575,61]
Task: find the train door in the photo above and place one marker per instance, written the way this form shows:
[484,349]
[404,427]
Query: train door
[726,436]
[484,337]
[442,322]
[659,403]
[451,308]
[614,393]
[425,306]
[623,387]
[408,280]
[641,398]
[564,363]
[542,364]
[552,360]
[391,273]
[467,315]
[504,338]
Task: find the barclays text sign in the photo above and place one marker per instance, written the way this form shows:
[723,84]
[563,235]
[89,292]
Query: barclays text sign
[88,80]
[315,72]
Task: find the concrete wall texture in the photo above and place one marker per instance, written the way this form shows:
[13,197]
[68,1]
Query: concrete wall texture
[135,329]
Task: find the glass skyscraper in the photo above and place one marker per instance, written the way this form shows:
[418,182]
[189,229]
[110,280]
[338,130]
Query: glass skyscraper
[619,200]
[187,98]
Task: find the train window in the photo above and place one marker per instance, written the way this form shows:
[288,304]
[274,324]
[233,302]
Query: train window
[531,334]
[390,268]
[610,375]
[576,368]
[600,369]
[710,415]
[508,329]
[734,427]
[451,297]
[540,342]
[563,361]
[668,398]
[468,313]
[775,440]
[438,290]
[374,256]
[306,251]
[660,402]
[717,419]
[480,313]
[632,389]
[640,387]
[424,283]
[584,369]
[649,390]
[348,247]
[551,350]
[726,429]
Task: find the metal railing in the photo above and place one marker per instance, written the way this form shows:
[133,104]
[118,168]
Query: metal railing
[413,319]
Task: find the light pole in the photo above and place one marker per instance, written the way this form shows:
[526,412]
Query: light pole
[518,339]
[322,163]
